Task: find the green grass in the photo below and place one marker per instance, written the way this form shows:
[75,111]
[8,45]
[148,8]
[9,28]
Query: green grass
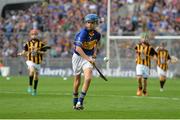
[105,100]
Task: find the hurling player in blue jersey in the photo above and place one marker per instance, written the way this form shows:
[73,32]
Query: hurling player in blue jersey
[84,57]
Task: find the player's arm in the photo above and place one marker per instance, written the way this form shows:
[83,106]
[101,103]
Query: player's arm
[168,59]
[157,48]
[96,46]
[41,51]
[153,53]
[95,51]
[78,46]
[21,53]
[136,50]
[81,52]
[172,59]
[25,50]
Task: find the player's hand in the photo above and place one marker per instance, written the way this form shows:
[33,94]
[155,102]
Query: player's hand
[94,56]
[41,52]
[91,60]
[157,48]
[174,59]
[21,53]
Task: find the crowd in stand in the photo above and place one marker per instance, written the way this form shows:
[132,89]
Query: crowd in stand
[59,20]
[132,17]
[161,16]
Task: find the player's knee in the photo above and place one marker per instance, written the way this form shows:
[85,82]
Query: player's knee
[139,77]
[77,81]
[162,78]
[31,70]
[88,80]
[31,73]
[35,75]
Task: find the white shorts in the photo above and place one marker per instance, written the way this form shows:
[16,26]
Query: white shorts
[79,64]
[31,64]
[161,72]
[142,70]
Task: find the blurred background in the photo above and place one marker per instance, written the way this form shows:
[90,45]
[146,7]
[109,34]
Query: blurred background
[60,20]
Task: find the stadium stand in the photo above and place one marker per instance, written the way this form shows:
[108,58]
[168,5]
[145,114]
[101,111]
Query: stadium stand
[59,20]
[162,16]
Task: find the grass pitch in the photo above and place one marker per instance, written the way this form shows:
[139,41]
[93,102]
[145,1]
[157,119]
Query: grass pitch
[115,99]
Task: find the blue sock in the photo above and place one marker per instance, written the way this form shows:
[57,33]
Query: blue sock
[75,99]
[81,98]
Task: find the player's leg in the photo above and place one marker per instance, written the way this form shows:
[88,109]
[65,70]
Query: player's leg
[31,74]
[146,72]
[77,69]
[145,86]
[139,73]
[36,79]
[76,84]
[86,84]
[162,78]
[87,69]
[162,82]
[139,89]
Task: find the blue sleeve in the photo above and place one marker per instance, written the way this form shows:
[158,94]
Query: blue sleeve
[80,37]
[99,37]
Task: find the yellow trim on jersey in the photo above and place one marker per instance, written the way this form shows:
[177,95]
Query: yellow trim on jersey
[89,45]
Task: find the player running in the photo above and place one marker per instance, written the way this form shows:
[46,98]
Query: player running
[83,58]
[34,56]
[144,51]
[163,58]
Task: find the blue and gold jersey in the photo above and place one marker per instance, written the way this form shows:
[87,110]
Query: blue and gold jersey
[87,39]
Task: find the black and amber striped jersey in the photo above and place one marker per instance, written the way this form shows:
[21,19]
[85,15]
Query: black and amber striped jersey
[162,59]
[31,47]
[144,51]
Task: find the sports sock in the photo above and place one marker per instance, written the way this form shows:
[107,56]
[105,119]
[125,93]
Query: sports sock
[30,80]
[35,84]
[81,98]
[162,84]
[140,88]
[75,98]
[144,91]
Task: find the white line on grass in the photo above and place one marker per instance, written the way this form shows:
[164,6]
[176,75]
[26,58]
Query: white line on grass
[68,94]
